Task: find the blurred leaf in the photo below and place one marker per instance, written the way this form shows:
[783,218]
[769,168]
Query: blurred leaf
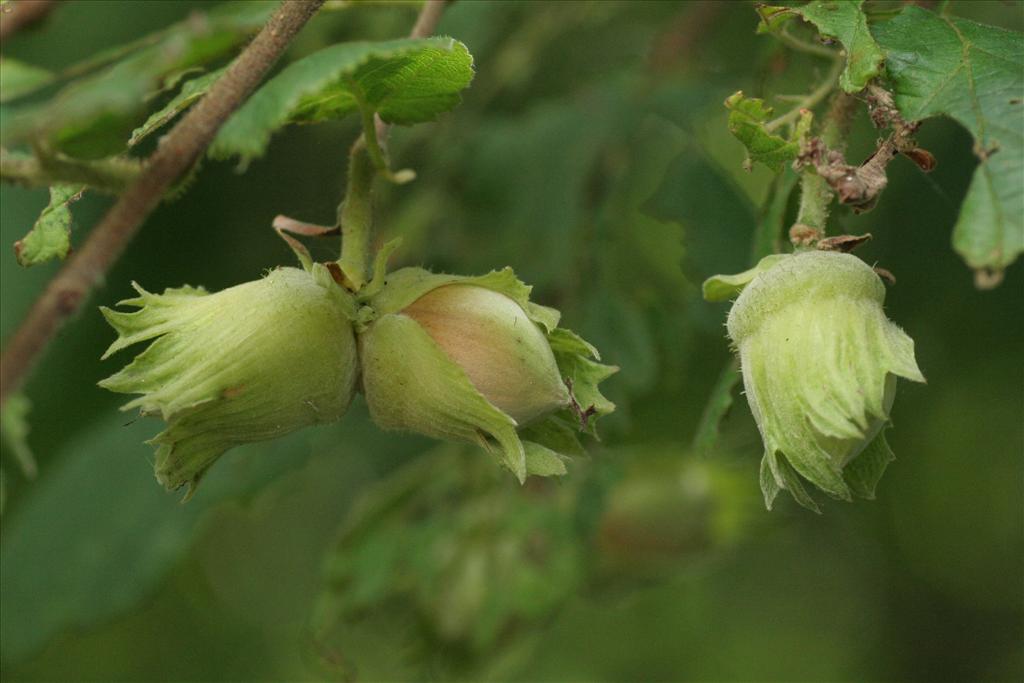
[95,536]
[747,119]
[18,78]
[91,117]
[716,215]
[50,236]
[844,20]
[719,402]
[190,93]
[405,81]
[462,551]
[15,428]
[973,73]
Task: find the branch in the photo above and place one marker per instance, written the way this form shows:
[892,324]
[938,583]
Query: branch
[17,15]
[175,155]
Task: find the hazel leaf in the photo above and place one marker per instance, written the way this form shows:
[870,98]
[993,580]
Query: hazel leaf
[841,20]
[189,94]
[945,66]
[18,78]
[404,81]
[50,236]
[92,116]
[747,118]
[844,20]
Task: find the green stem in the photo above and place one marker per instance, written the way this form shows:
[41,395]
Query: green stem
[799,45]
[376,152]
[110,175]
[812,100]
[355,216]
[815,193]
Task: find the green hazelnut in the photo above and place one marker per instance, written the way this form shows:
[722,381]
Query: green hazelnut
[252,362]
[820,361]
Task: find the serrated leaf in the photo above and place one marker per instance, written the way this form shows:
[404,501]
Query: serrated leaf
[844,20]
[944,66]
[726,287]
[841,20]
[50,236]
[14,428]
[92,116]
[747,116]
[189,94]
[405,81]
[18,78]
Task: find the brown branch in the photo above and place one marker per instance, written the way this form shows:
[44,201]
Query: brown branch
[17,15]
[176,153]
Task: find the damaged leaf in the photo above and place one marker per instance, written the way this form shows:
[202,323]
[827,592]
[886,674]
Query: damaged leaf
[50,236]
[747,119]
[944,66]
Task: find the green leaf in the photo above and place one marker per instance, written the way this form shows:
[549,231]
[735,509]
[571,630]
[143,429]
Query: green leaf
[405,81]
[95,536]
[50,237]
[453,548]
[719,403]
[14,428]
[189,94]
[845,21]
[18,78]
[943,66]
[726,287]
[864,471]
[92,116]
[841,20]
[773,17]
[747,118]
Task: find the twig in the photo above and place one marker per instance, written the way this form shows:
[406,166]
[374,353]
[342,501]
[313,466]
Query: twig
[111,175]
[17,15]
[815,192]
[799,45]
[175,155]
[812,100]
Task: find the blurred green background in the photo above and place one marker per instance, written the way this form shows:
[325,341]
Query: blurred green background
[591,154]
